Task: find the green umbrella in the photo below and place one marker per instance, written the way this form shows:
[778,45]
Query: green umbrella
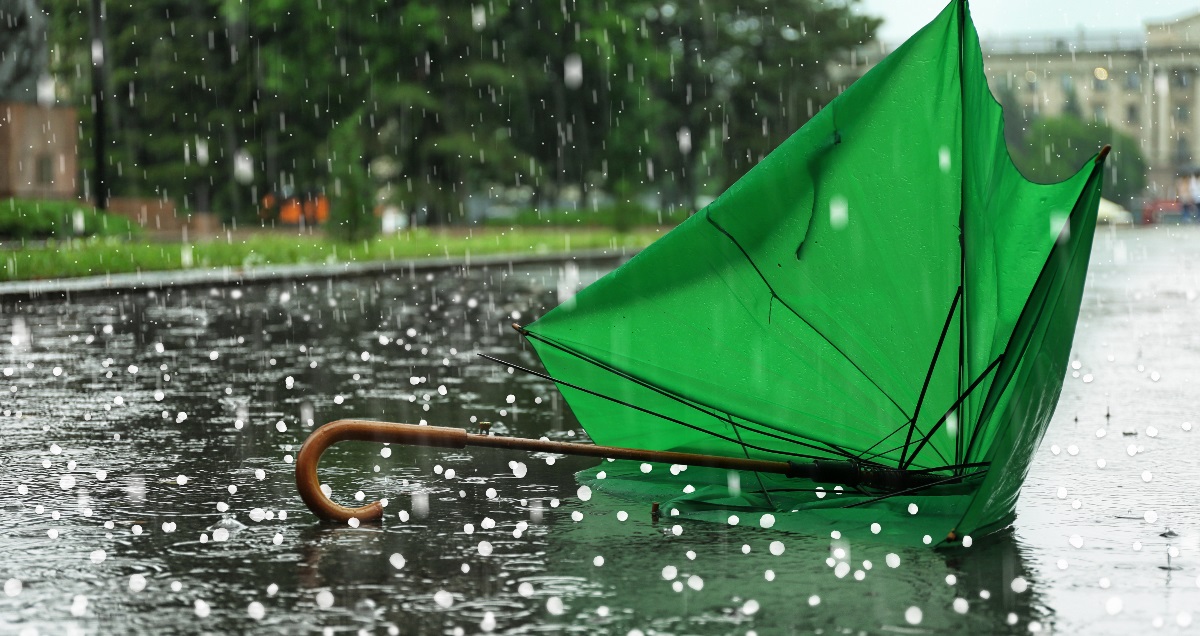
[885,290]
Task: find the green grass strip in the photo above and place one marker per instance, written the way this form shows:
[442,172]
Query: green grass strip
[101,256]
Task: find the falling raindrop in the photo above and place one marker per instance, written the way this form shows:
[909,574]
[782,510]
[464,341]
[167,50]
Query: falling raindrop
[573,71]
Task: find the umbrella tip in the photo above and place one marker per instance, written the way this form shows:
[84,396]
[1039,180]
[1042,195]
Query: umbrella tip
[654,511]
[1103,153]
[952,536]
[518,328]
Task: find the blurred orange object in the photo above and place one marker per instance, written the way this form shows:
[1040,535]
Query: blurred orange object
[290,211]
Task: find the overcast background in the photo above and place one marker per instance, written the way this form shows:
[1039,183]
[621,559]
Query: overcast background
[1014,17]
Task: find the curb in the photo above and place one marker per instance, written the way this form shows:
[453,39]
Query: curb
[143,281]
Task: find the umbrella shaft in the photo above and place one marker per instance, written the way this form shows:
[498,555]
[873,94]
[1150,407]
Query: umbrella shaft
[633,454]
[833,471]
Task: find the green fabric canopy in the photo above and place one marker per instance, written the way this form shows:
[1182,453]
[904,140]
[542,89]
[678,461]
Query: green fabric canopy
[885,285]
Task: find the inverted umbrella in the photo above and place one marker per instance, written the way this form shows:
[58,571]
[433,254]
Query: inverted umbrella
[884,302]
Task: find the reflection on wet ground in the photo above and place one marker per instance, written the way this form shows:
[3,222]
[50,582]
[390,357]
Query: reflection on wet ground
[147,479]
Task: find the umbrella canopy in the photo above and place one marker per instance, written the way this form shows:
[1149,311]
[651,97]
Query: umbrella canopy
[884,286]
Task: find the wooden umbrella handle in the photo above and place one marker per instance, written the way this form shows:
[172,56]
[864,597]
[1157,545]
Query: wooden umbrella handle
[834,470]
[310,453]
[309,456]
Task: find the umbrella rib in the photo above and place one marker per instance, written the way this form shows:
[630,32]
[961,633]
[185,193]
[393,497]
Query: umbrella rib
[688,403]
[962,215]
[1024,348]
[795,313]
[645,410]
[908,491]
[747,454]
[954,467]
[957,403]
[896,448]
[929,374]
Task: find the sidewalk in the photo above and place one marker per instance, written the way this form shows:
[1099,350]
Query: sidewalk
[117,283]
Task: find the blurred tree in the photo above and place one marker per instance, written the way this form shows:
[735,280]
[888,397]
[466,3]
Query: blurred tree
[742,77]
[217,102]
[179,98]
[1056,147]
[352,208]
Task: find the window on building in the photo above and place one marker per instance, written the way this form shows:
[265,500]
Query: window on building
[1183,79]
[1131,113]
[1099,114]
[44,170]
[1183,113]
[1099,85]
[1183,153]
[1133,81]
[1068,82]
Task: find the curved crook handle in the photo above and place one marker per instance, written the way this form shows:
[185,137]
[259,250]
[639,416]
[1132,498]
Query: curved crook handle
[310,453]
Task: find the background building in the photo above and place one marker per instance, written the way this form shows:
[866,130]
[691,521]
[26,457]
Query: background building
[1144,84]
[38,137]
[37,151]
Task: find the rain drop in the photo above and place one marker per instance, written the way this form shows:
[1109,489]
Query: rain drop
[324,599]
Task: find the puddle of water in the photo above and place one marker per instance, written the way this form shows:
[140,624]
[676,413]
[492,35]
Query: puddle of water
[148,484]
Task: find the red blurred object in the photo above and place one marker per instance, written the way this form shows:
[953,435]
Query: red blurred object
[1155,209]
